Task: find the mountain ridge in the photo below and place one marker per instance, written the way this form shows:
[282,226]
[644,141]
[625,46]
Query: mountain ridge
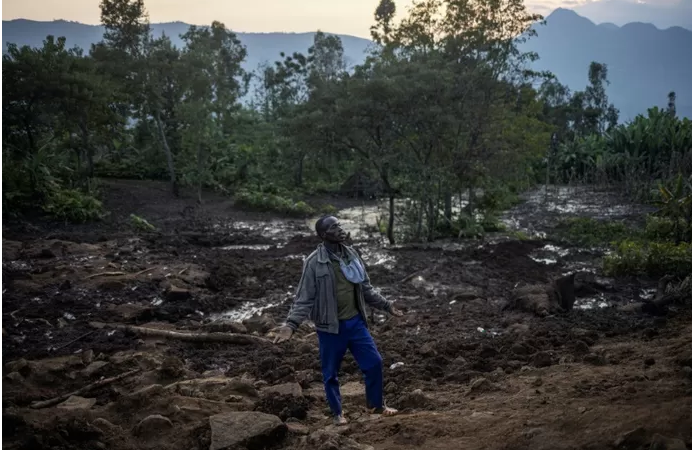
[644,61]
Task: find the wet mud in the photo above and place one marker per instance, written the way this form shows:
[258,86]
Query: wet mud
[465,370]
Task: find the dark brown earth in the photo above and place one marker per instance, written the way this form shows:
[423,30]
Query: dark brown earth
[474,375]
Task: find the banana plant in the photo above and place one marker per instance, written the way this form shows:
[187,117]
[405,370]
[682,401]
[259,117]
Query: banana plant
[676,204]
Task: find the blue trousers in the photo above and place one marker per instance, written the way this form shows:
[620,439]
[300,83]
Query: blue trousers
[354,336]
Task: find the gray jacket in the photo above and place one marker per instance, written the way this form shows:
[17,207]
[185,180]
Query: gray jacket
[316,294]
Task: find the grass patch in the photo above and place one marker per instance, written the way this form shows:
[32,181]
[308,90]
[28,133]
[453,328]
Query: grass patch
[71,205]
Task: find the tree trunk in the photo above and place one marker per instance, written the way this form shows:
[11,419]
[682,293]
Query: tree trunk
[390,225]
[299,170]
[87,150]
[167,150]
[431,220]
[200,164]
[448,206]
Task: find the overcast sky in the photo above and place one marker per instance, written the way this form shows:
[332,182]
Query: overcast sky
[336,16]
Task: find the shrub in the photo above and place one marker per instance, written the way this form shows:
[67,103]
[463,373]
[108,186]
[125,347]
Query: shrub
[653,259]
[259,201]
[71,205]
[141,224]
[587,232]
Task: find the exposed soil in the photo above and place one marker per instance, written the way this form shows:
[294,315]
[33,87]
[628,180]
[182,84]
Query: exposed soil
[474,375]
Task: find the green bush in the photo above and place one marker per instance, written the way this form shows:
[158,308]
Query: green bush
[141,224]
[653,259]
[71,205]
[661,228]
[587,232]
[260,201]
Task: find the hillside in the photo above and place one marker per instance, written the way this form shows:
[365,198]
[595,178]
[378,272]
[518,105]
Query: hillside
[645,63]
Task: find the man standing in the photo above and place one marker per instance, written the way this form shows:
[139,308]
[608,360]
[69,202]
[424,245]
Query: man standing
[332,292]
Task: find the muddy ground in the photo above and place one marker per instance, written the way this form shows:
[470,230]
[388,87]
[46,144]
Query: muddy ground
[464,371]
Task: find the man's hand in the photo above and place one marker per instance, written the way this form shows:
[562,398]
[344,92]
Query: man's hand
[395,312]
[283,334]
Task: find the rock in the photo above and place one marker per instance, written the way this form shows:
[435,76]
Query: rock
[482,385]
[88,357]
[631,440]
[226,326]
[542,359]
[331,440]
[259,324]
[660,442]
[284,389]
[14,377]
[93,368]
[687,372]
[297,428]
[152,426]
[428,350]
[306,377]
[595,359]
[62,323]
[214,388]
[21,365]
[74,403]
[104,425]
[177,294]
[172,367]
[414,400]
[538,382]
[250,429]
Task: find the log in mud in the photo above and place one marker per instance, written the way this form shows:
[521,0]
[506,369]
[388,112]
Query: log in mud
[465,370]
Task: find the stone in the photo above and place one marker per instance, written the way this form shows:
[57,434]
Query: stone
[391,388]
[284,389]
[152,426]
[20,365]
[88,357]
[542,359]
[177,294]
[414,400]
[15,377]
[297,428]
[427,349]
[172,367]
[104,425]
[249,429]
[259,324]
[631,440]
[660,442]
[94,368]
[74,403]
[328,439]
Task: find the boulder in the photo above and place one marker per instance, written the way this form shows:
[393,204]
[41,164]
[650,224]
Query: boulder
[284,389]
[74,403]
[153,426]
[177,294]
[248,429]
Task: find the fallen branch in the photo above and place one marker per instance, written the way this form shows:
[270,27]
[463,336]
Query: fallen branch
[74,340]
[105,274]
[143,271]
[82,391]
[229,338]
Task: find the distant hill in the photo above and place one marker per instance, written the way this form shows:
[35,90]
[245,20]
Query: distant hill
[644,62]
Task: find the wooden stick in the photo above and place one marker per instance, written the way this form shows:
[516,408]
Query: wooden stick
[143,271]
[230,338]
[81,391]
[74,340]
[106,274]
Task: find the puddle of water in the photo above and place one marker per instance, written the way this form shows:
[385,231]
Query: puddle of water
[245,311]
[597,302]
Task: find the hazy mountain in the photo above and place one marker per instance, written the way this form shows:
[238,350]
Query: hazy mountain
[644,62]
[663,14]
